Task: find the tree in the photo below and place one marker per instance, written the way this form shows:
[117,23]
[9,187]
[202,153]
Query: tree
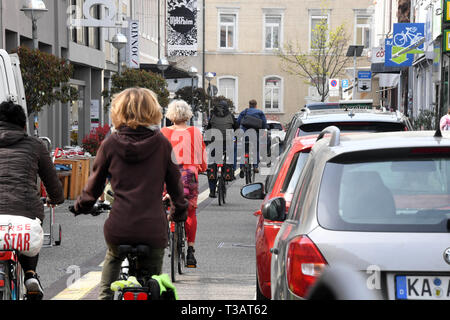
[325,60]
[45,79]
[200,98]
[130,78]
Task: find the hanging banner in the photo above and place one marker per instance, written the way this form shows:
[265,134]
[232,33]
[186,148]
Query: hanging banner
[132,51]
[182,27]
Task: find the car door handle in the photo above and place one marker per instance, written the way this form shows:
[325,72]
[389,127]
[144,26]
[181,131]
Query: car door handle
[274,251]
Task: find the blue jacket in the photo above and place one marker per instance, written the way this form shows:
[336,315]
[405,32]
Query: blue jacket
[252,112]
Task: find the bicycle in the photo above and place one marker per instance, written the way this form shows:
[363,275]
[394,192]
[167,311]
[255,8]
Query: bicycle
[145,287]
[12,285]
[402,38]
[249,171]
[177,246]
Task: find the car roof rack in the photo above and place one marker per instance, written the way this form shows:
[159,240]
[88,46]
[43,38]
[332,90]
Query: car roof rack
[335,135]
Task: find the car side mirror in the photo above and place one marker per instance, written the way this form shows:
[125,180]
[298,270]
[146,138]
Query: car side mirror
[275,209]
[253,191]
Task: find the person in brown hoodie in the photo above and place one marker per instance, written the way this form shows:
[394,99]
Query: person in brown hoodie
[22,159]
[137,160]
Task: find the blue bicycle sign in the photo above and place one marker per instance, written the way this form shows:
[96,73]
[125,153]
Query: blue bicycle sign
[408,34]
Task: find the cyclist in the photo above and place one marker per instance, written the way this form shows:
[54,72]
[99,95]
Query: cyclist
[190,155]
[137,159]
[22,159]
[252,118]
[223,120]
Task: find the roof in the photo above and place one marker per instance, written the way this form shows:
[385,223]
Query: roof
[385,140]
[342,115]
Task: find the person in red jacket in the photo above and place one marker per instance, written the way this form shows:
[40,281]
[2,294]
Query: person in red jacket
[137,159]
[190,154]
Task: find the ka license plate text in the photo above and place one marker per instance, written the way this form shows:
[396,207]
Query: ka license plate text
[422,287]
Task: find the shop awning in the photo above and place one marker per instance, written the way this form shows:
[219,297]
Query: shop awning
[171,72]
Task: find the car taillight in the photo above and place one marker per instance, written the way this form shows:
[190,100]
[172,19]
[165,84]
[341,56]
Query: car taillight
[303,265]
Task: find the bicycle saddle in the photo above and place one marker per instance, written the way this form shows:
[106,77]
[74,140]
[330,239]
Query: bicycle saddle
[140,250]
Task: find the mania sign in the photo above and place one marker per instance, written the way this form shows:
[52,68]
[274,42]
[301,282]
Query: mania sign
[182,28]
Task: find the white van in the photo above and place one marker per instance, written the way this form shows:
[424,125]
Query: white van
[11,84]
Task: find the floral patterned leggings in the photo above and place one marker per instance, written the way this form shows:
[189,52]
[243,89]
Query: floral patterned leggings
[190,183]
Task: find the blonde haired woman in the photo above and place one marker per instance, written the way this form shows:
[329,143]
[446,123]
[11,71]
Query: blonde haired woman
[190,154]
[138,159]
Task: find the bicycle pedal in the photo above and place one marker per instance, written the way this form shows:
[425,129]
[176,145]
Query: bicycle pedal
[191,266]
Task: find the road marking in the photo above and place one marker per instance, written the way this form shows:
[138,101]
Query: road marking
[81,287]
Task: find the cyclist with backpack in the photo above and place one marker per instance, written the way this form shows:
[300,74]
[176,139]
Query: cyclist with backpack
[222,120]
[137,159]
[252,118]
[22,160]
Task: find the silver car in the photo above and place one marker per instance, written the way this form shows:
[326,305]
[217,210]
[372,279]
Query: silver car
[378,203]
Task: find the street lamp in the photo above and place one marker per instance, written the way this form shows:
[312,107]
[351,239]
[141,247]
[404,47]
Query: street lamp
[162,65]
[119,41]
[209,76]
[354,51]
[192,73]
[34,9]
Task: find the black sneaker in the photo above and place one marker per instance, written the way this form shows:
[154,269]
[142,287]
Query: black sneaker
[33,286]
[191,262]
[212,195]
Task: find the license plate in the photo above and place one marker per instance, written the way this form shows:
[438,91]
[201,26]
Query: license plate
[422,287]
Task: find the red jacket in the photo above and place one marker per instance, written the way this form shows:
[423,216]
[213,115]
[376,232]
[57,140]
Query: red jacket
[139,164]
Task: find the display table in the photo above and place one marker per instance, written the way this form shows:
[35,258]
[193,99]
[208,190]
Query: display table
[80,173]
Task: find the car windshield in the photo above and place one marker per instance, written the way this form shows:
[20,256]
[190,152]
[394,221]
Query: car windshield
[275,126]
[316,128]
[408,194]
[293,174]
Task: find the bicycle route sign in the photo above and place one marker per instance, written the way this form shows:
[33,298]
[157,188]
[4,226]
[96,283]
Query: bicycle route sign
[406,35]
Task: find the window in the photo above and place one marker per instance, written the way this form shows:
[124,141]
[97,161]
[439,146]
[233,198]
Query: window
[272,94]
[272,32]
[316,21]
[228,88]
[402,190]
[227,37]
[362,30]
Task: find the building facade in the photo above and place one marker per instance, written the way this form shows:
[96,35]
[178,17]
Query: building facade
[88,49]
[242,40]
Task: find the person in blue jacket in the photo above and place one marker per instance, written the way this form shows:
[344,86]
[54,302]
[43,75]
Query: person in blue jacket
[252,111]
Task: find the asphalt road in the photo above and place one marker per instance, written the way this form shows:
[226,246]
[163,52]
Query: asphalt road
[225,252]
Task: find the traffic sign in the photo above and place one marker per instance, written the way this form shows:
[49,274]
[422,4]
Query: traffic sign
[345,84]
[364,85]
[404,60]
[364,75]
[333,85]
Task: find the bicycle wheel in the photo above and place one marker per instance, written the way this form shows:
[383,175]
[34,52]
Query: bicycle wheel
[224,191]
[248,178]
[173,256]
[5,291]
[181,246]
[220,190]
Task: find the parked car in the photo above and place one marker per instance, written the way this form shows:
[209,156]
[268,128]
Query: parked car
[276,129]
[280,183]
[379,203]
[309,122]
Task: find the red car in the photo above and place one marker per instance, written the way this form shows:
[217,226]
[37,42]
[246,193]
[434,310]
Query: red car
[281,184]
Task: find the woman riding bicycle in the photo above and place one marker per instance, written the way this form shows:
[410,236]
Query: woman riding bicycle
[22,159]
[137,159]
[190,154]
